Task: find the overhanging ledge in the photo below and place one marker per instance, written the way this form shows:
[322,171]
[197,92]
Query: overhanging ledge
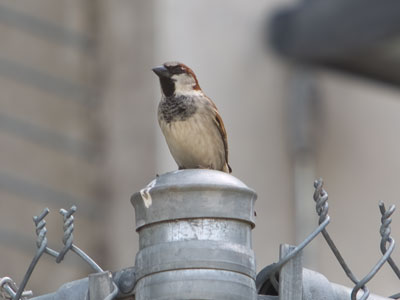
[359,36]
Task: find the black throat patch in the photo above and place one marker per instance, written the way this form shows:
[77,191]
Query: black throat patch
[176,108]
[167,86]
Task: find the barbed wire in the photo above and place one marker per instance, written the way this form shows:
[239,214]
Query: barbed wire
[268,276]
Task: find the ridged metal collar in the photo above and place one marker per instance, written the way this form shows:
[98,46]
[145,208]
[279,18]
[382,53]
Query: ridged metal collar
[198,194]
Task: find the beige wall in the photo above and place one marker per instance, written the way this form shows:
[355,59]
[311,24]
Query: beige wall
[358,157]
[48,144]
[355,151]
[223,44]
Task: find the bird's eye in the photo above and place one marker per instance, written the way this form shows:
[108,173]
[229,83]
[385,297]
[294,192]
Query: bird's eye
[177,70]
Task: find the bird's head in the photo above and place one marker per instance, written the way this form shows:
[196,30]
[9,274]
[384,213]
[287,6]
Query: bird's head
[176,79]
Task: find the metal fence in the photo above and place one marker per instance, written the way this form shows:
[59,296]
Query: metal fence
[283,280]
[267,278]
[8,287]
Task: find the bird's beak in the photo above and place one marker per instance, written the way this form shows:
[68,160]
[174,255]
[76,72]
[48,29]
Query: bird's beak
[161,71]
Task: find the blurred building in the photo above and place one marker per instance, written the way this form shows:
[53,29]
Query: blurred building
[49,134]
[78,126]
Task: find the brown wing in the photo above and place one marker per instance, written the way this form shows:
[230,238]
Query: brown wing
[222,131]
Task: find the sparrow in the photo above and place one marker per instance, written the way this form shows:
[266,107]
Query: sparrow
[190,121]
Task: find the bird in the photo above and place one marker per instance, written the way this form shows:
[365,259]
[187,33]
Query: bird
[190,121]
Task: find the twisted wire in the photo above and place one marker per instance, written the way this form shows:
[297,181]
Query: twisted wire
[385,232]
[321,197]
[68,236]
[387,246]
[41,230]
[8,289]
[322,208]
[269,272]
[41,243]
[372,273]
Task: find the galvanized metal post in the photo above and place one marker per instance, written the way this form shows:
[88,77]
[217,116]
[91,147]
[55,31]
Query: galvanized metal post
[290,276]
[100,285]
[317,287]
[195,237]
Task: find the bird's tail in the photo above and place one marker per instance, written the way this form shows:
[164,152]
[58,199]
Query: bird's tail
[227,168]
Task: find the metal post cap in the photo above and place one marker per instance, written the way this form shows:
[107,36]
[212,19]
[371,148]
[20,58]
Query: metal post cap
[198,193]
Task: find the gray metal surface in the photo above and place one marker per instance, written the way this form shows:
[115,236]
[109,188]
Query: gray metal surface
[218,243]
[343,293]
[102,286]
[77,289]
[317,287]
[197,194]
[195,237]
[121,287]
[196,284]
[291,275]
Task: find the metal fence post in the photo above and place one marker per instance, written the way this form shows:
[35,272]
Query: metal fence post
[195,237]
[100,285]
[291,275]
